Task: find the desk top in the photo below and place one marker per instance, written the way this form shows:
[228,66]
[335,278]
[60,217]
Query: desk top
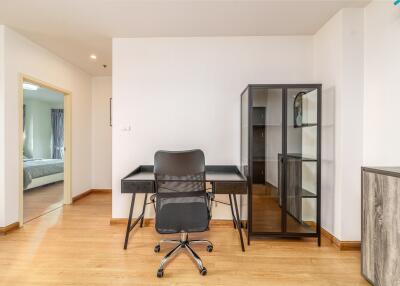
[214,173]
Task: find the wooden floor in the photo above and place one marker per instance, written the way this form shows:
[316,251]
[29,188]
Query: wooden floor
[41,200]
[76,245]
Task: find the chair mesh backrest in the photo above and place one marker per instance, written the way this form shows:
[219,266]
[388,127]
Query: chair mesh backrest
[181,196]
[174,184]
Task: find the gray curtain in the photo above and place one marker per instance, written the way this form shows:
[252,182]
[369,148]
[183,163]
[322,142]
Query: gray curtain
[24,116]
[57,125]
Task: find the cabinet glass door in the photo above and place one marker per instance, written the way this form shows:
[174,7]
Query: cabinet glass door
[300,193]
[244,150]
[266,145]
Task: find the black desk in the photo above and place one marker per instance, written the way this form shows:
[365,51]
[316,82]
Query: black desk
[224,179]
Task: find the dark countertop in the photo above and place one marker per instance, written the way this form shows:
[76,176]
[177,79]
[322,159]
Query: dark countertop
[389,171]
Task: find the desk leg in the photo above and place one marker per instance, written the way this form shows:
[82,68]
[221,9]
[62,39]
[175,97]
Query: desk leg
[143,210]
[128,227]
[233,215]
[238,222]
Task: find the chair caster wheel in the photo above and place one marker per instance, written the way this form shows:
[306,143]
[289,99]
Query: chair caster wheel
[160,273]
[210,248]
[157,248]
[203,271]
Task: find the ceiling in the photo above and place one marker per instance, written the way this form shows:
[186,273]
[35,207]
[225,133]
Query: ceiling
[74,29]
[44,94]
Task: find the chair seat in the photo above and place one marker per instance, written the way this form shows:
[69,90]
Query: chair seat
[186,217]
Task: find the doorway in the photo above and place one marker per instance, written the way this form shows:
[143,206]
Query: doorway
[44,148]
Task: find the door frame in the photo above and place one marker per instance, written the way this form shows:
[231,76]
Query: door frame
[67,139]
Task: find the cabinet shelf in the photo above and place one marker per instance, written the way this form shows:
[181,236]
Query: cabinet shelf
[301,157]
[307,194]
[259,159]
[307,125]
[267,125]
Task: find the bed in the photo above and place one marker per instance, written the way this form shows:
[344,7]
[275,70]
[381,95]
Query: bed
[40,172]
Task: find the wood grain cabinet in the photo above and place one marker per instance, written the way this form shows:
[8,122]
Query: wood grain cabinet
[380,246]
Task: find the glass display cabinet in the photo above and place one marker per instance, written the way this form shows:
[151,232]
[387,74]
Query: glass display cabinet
[281,156]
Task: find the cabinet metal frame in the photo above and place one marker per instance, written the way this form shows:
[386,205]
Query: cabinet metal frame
[284,233]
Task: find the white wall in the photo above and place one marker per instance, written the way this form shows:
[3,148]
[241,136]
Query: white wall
[327,67]
[101,133]
[23,56]
[2,133]
[351,121]
[38,130]
[184,93]
[338,64]
[382,89]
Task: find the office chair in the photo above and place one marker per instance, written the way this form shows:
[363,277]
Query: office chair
[182,203]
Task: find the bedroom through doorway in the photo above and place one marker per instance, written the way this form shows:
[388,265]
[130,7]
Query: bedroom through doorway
[43,148]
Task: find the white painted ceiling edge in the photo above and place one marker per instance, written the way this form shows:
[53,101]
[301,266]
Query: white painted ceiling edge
[74,29]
